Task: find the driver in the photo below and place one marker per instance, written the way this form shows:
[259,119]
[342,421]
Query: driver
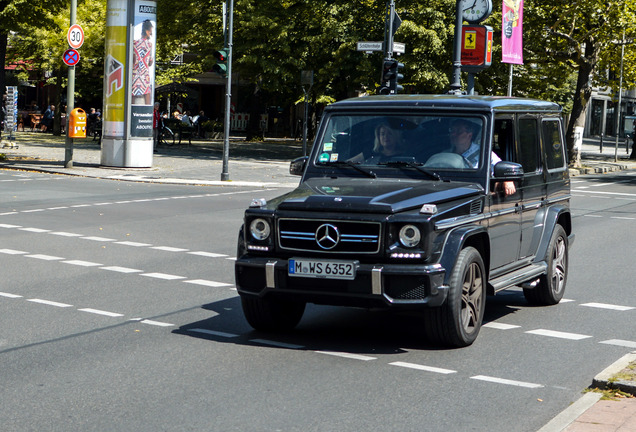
[462,132]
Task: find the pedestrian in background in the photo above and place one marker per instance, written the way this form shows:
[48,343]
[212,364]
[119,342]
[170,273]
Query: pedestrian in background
[156,126]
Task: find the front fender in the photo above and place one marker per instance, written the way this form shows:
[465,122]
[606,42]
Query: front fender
[475,236]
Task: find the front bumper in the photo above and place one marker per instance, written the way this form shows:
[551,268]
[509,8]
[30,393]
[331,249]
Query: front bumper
[375,285]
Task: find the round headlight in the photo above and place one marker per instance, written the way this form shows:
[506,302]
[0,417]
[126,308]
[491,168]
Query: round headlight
[410,236]
[260,229]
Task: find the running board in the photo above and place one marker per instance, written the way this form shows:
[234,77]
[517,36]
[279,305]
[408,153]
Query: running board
[517,277]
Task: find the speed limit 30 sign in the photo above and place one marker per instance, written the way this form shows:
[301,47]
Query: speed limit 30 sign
[75,36]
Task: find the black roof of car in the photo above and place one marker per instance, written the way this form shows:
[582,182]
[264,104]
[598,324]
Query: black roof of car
[446,101]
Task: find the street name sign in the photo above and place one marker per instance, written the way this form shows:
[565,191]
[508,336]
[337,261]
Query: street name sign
[369,46]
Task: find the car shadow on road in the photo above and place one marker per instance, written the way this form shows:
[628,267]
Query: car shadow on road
[335,329]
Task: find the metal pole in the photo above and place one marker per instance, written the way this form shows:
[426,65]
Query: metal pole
[510,81]
[305,123]
[456,85]
[620,93]
[70,100]
[225,175]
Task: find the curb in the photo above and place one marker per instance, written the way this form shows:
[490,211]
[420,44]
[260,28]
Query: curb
[603,381]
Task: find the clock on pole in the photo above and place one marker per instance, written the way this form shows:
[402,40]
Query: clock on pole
[475,11]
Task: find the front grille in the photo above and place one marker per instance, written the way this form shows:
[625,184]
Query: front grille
[343,236]
[406,288]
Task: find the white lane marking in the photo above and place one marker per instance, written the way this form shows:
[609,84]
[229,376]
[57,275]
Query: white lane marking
[592,216]
[231,258]
[123,202]
[135,244]
[607,193]
[207,254]
[423,368]
[35,230]
[564,300]
[121,269]
[102,239]
[12,252]
[50,303]
[32,211]
[169,249]
[156,323]
[102,204]
[607,306]
[276,343]
[506,381]
[44,257]
[213,333]
[82,263]
[57,208]
[101,312]
[8,213]
[207,283]
[500,326]
[10,226]
[558,334]
[347,355]
[66,234]
[620,342]
[80,205]
[163,276]
[622,218]
[9,295]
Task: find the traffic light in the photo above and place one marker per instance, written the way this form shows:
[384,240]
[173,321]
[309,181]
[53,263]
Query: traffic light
[221,62]
[391,76]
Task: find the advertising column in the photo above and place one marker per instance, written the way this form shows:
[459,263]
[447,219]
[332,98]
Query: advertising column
[129,76]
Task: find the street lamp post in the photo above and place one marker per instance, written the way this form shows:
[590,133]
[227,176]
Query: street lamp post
[225,175]
[620,94]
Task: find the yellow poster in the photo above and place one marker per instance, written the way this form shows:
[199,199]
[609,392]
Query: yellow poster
[114,69]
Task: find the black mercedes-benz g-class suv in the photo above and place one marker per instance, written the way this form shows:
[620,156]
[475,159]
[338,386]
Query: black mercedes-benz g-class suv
[429,202]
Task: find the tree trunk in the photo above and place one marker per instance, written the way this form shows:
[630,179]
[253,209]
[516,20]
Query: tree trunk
[582,95]
[3,56]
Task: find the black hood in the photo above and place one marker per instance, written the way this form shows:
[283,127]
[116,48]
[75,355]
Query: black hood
[371,195]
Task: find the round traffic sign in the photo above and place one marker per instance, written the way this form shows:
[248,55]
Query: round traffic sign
[75,36]
[71,57]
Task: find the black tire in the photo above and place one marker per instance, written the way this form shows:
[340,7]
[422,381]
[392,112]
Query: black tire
[272,314]
[458,321]
[551,286]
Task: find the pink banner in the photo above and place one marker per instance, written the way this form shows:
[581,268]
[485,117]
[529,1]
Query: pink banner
[512,32]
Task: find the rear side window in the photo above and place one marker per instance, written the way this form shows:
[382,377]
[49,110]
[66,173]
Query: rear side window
[529,144]
[553,142]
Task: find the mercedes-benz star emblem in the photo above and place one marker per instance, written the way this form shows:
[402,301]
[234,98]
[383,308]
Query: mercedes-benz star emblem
[327,236]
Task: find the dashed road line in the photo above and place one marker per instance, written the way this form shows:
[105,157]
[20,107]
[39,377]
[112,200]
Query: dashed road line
[506,381]
[133,244]
[620,342]
[66,234]
[44,257]
[500,326]
[121,269]
[208,283]
[607,306]
[163,276]
[101,312]
[169,249]
[558,334]
[10,226]
[208,254]
[9,295]
[50,303]
[34,230]
[347,355]
[213,333]
[276,343]
[156,323]
[99,239]
[423,368]
[82,263]
[12,252]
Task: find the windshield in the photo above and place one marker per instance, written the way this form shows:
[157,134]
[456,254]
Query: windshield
[440,142]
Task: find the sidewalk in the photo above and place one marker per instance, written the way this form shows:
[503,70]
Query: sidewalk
[266,164]
[257,164]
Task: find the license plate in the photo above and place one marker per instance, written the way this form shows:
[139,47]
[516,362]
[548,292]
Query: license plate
[322,268]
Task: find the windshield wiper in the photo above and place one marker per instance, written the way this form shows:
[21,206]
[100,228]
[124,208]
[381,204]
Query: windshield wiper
[352,165]
[408,163]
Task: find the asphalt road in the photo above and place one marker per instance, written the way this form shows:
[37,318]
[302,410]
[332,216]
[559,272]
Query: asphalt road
[118,312]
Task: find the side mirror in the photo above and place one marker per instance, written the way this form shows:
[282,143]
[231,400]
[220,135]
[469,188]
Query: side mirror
[297,166]
[505,171]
